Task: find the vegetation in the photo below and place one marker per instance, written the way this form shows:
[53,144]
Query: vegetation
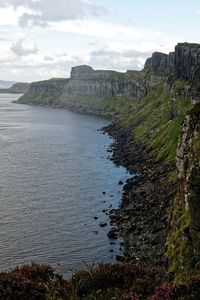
[102,282]
[180,250]
[156,121]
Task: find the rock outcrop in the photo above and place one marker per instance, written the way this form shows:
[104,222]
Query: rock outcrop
[98,83]
[184,237]
[160,64]
[188,164]
[187,62]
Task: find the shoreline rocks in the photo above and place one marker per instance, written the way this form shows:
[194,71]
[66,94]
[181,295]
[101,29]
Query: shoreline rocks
[142,219]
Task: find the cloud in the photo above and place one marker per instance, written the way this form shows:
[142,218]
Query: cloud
[48,58]
[123,58]
[5,55]
[120,53]
[24,46]
[31,20]
[4,39]
[41,12]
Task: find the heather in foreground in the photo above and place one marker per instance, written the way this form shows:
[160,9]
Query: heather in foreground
[102,282]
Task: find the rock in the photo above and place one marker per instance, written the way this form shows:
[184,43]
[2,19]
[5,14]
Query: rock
[120,182]
[112,234]
[160,64]
[120,258]
[103,224]
[187,58]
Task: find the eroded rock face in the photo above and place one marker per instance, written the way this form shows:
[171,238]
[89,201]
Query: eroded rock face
[99,83]
[160,64]
[187,61]
[188,164]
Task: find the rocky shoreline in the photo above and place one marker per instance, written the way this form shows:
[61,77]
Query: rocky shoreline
[142,219]
[143,216]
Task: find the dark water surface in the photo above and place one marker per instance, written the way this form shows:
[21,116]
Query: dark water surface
[53,170]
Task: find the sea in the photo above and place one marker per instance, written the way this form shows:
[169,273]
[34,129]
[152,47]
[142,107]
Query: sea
[57,186]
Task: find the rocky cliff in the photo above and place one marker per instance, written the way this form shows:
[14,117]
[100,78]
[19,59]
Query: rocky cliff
[187,62]
[17,88]
[159,214]
[97,83]
[184,237]
[85,83]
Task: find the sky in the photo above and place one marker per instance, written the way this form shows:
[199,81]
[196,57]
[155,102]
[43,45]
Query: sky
[41,39]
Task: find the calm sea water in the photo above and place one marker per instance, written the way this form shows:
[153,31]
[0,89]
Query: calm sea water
[53,172]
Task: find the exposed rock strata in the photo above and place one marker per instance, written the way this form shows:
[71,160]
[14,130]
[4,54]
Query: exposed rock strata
[88,82]
[188,163]
[85,82]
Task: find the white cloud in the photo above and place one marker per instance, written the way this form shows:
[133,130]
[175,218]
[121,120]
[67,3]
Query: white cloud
[5,55]
[24,46]
[41,12]
[70,36]
[9,15]
[102,29]
[124,58]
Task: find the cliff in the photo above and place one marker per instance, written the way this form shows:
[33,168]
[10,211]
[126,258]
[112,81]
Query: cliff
[88,82]
[17,88]
[187,62]
[184,237]
[159,214]
[86,88]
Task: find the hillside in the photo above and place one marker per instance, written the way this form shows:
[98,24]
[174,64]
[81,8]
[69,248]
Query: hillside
[156,123]
[16,88]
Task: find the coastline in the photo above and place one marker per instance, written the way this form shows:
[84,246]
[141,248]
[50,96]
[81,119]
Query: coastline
[142,218]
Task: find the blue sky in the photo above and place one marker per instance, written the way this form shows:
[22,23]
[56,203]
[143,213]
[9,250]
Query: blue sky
[41,39]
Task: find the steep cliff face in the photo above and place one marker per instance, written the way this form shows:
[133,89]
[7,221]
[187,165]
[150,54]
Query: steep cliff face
[86,81]
[188,164]
[160,64]
[184,238]
[187,62]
